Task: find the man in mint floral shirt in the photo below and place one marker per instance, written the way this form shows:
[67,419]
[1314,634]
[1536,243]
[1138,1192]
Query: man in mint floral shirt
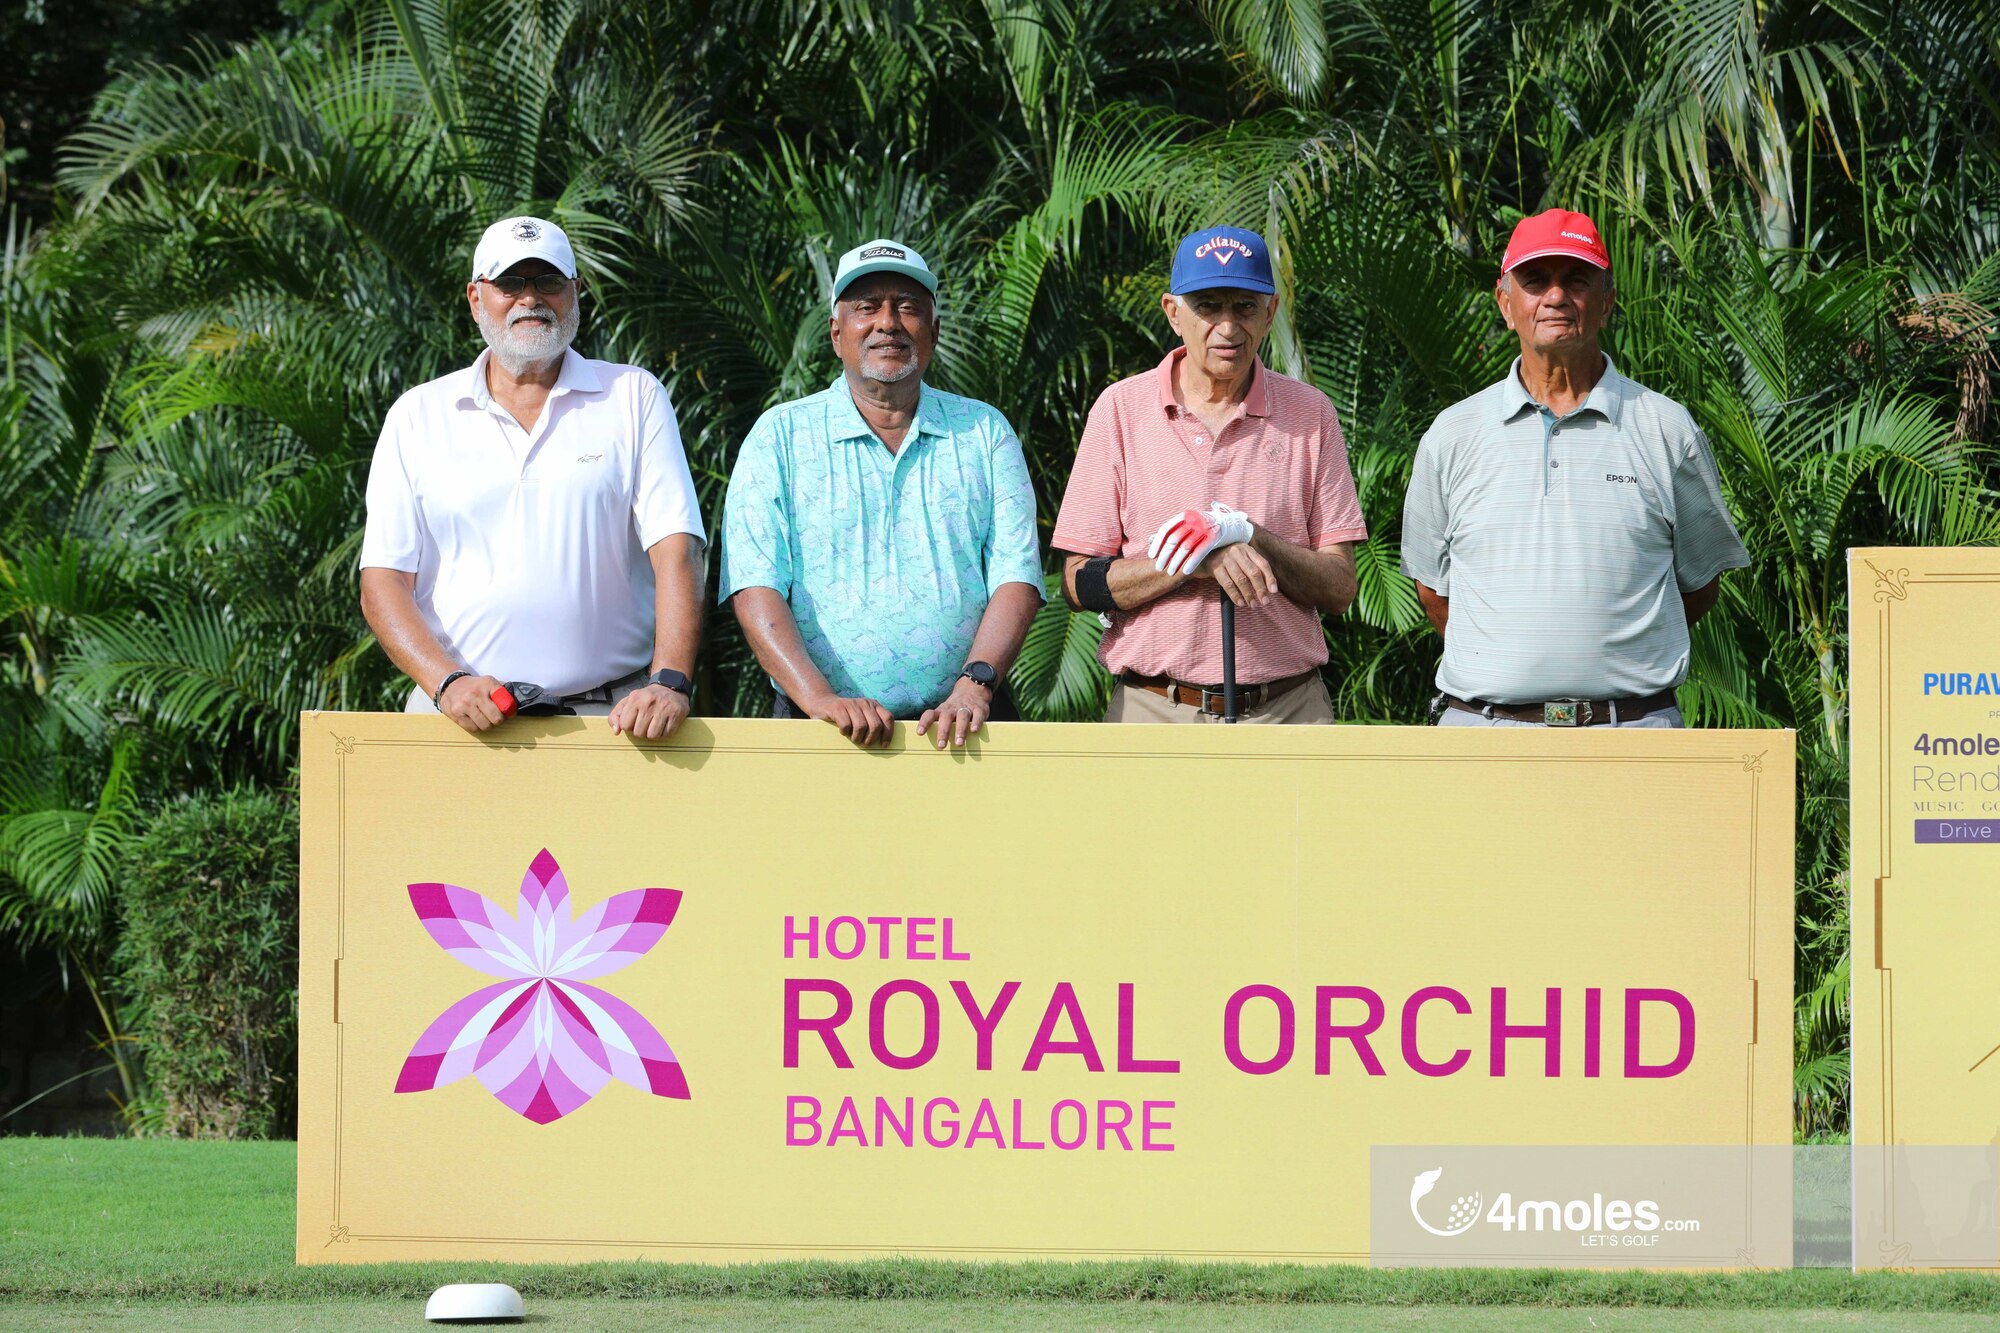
[878,541]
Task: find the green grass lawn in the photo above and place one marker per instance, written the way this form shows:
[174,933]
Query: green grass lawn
[748,1313]
[167,1235]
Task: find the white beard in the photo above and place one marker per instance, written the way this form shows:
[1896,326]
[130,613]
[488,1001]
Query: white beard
[526,341]
[896,376]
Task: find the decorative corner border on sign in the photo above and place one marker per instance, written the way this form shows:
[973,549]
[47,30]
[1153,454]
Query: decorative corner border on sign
[1890,583]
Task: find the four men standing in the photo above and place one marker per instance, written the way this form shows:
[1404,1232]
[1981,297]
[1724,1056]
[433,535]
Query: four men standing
[533,519]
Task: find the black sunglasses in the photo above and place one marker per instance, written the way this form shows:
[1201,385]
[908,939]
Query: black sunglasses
[513,284]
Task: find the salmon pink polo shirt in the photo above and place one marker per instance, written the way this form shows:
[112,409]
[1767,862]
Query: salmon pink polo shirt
[1280,458]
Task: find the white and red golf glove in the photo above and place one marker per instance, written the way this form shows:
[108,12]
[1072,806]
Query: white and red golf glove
[1185,540]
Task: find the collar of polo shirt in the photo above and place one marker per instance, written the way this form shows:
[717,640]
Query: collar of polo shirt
[845,422]
[1606,397]
[1256,403]
[576,376]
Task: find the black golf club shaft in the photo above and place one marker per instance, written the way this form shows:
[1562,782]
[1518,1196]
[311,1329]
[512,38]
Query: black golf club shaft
[1228,657]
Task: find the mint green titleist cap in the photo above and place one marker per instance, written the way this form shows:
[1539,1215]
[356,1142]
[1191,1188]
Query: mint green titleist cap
[882,256]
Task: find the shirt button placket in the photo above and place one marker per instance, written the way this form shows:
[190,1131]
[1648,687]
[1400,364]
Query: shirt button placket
[1551,469]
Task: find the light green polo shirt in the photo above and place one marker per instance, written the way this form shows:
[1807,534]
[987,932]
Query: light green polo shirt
[887,560]
[1564,543]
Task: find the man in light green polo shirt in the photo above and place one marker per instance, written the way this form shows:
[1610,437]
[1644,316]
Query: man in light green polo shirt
[878,541]
[1565,526]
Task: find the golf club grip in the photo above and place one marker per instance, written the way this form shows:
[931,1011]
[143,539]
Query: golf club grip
[1228,658]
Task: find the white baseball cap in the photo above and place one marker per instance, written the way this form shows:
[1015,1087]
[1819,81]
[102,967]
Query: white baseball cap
[882,256]
[510,240]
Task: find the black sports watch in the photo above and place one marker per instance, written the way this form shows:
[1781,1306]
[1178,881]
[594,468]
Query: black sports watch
[673,680]
[981,673]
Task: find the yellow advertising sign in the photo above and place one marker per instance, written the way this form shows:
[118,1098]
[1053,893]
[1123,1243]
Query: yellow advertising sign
[1074,991]
[1925,635]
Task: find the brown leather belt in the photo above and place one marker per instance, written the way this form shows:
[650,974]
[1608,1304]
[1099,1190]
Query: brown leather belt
[1569,712]
[1208,698]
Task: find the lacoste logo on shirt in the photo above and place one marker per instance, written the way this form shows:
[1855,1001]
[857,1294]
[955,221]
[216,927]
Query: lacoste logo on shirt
[1619,476]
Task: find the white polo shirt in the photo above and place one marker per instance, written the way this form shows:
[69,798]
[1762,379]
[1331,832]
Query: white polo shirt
[529,547]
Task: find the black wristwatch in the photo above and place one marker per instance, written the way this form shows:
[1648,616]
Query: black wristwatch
[981,673]
[673,680]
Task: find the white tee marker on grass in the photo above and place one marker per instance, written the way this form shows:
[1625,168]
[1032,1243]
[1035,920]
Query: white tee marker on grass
[473,1300]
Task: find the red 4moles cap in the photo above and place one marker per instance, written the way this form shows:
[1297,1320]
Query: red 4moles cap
[1556,232]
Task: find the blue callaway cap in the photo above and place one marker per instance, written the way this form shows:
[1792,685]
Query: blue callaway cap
[1222,257]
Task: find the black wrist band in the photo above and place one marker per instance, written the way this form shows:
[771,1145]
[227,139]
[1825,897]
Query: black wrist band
[437,699]
[1093,585]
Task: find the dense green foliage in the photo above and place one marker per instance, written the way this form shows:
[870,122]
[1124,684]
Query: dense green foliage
[209,960]
[258,249]
[59,54]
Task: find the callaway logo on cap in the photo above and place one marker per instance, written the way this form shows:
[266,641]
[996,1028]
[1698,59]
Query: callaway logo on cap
[511,240]
[1222,257]
[1556,232]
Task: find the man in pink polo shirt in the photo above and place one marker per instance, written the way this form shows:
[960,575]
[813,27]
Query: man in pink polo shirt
[1210,471]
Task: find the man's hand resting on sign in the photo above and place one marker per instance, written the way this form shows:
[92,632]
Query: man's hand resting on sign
[1186,539]
[469,702]
[651,711]
[961,714]
[862,721]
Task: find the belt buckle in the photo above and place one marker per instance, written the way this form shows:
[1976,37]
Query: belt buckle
[1221,706]
[1567,713]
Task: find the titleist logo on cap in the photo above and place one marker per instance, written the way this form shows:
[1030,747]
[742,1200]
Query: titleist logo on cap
[884,252]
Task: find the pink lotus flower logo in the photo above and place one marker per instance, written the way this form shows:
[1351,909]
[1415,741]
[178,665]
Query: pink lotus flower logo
[542,1041]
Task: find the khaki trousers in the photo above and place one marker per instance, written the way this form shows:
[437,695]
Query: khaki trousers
[1305,702]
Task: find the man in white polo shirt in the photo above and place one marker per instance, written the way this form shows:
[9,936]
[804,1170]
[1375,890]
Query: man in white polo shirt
[1565,526]
[531,519]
